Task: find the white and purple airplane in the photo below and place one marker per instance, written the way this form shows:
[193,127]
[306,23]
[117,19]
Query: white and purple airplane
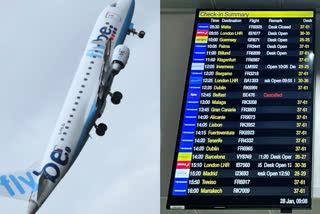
[105,56]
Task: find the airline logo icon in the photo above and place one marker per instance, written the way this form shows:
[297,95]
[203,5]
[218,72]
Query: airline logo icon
[195,80]
[184,156]
[182,173]
[197,66]
[185,147]
[201,39]
[203,26]
[193,96]
[183,164]
[106,32]
[202,33]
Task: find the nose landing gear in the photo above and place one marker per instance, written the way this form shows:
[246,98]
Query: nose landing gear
[141,34]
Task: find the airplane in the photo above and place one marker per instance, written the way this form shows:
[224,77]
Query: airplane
[104,57]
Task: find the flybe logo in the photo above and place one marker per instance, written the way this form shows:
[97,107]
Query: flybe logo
[106,33]
[51,170]
[5,181]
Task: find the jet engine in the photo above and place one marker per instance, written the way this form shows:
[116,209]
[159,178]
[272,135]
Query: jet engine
[120,58]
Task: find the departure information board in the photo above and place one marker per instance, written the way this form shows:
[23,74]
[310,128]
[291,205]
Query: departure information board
[245,133]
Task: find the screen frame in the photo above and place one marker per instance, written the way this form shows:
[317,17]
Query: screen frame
[188,202]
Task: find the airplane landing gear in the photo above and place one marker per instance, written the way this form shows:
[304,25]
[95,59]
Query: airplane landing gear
[116,97]
[141,34]
[101,129]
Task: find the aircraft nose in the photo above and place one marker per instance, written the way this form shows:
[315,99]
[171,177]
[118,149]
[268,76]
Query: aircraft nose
[32,208]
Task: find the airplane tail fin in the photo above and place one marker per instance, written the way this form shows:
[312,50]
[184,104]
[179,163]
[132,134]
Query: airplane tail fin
[19,185]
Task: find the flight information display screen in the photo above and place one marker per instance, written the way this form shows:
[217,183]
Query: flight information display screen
[245,133]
